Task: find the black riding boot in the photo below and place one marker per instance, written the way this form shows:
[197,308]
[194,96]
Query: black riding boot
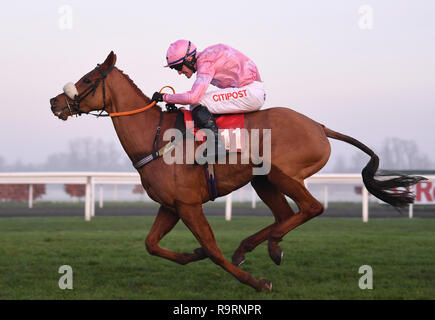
[204,119]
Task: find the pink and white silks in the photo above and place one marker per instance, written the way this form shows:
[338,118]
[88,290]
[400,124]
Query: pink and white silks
[237,76]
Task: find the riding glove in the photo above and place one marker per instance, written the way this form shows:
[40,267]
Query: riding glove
[157,97]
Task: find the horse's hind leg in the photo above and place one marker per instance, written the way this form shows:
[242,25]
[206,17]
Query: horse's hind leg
[164,223]
[281,210]
[308,206]
[193,217]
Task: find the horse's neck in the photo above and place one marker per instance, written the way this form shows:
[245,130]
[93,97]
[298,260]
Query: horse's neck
[135,132]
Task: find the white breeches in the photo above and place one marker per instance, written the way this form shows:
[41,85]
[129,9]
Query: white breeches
[235,100]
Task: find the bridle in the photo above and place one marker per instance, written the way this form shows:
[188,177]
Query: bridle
[92,88]
[75,105]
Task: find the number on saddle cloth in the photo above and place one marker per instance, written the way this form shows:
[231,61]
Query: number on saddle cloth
[230,128]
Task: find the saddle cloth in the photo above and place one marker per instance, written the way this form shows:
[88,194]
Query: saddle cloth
[230,128]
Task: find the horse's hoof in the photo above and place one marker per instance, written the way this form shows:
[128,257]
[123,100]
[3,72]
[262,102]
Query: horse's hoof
[238,261]
[238,257]
[276,254]
[265,285]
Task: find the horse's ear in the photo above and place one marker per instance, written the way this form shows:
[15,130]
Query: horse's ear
[110,60]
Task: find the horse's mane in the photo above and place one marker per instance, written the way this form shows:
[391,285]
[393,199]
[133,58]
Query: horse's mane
[134,86]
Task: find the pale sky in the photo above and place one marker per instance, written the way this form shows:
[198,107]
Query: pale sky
[313,56]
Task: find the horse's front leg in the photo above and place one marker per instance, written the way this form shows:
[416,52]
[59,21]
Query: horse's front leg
[193,216]
[164,223]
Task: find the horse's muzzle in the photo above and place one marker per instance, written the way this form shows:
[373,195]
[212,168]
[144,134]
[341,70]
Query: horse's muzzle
[53,102]
[58,111]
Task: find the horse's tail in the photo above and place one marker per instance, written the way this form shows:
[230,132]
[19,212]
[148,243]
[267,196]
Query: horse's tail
[382,189]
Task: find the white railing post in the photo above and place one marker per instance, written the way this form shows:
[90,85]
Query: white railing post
[411,211]
[101,197]
[325,197]
[30,196]
[92,197]
[365,204]
[254,199]
[88,199]
[228,207]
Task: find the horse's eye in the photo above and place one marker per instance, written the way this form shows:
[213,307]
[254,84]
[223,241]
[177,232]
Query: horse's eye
[86,80]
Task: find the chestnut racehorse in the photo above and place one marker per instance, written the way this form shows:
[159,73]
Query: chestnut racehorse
[299,148]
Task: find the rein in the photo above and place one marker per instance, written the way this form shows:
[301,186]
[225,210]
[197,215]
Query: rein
[127,113]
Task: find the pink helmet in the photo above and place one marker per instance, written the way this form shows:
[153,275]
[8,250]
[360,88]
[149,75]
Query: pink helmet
[179,51]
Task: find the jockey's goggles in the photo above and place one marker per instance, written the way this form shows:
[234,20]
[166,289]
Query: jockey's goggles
[177,66]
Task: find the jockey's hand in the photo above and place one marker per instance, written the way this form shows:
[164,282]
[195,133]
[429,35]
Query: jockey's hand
[157,97]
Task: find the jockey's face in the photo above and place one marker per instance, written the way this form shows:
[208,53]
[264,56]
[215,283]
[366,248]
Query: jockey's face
[186,71]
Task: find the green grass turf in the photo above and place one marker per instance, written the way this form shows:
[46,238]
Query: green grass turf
[321,260]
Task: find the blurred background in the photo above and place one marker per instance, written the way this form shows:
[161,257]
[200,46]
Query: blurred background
[363,69]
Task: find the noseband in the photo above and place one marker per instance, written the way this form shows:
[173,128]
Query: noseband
[75,105]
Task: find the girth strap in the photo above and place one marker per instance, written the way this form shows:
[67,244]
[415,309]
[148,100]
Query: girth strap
[211,181]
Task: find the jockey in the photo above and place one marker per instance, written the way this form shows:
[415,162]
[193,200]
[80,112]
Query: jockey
[236,76]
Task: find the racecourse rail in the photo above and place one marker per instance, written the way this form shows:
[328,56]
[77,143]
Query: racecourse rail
[91,179]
